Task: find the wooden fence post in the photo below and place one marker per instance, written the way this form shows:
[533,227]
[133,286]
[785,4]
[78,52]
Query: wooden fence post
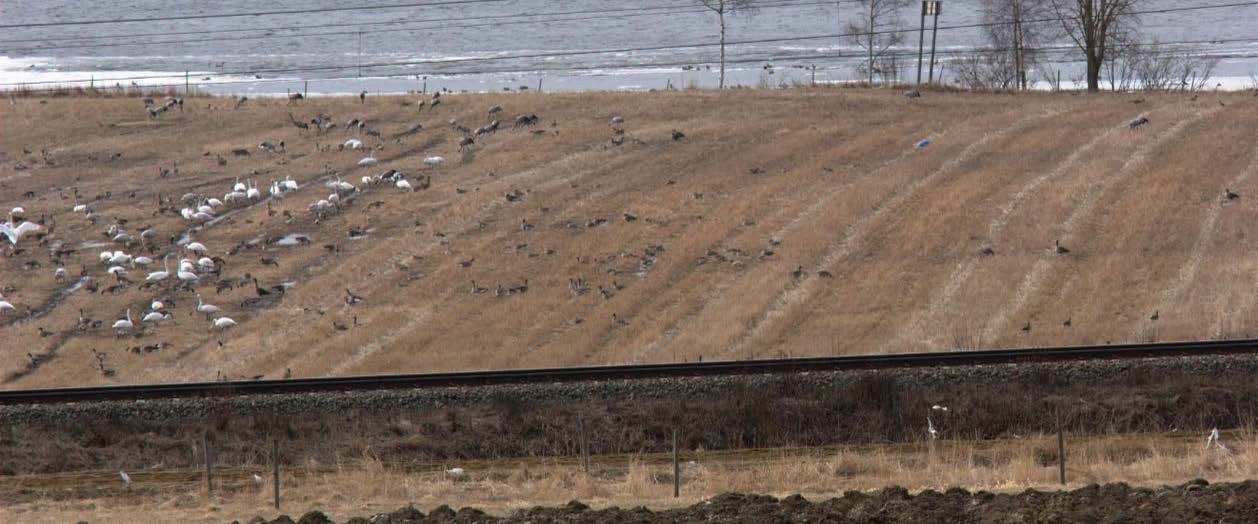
[275,462]
[676,468]
[1061,454]
[585,446]
[209,472]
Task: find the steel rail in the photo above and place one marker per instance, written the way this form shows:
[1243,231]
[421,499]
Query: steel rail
[628,372]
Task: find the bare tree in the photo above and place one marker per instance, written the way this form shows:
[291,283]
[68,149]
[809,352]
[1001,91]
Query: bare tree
[1155,67]
[1095,26]
[867,31]
[1008,29]
[722,8]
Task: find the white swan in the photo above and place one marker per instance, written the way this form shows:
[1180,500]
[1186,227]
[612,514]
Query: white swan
[120,258]
[223,323]
[15,233]
[195,247]
[187,277]
[205,309]
[434,160]
[124,325]
[403,185]
[155,316]
[252,193]
[158,276]
[157,305]
[6,307]
[141,261]
[354,143]
[239,187]
[206,264]
[289,183]
[369,161]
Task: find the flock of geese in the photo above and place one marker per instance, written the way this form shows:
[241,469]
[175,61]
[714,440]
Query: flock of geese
[183,264]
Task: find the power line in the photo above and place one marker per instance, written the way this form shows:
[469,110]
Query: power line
[254,13]
[684,4]
[561,54]
[638,12]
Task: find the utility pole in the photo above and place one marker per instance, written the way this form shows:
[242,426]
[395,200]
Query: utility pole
[933,7]
[921,41]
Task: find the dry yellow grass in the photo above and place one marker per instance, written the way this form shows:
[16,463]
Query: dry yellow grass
[835,182]
[366,486]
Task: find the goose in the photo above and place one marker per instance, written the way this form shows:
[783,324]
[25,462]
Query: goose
[195,247]
[223,323]
[124,325]
[155,316]
[262,292]
[205,309]
[158,276]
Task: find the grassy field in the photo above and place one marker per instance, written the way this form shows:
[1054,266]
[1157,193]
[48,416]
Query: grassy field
[785,222]
[367,485]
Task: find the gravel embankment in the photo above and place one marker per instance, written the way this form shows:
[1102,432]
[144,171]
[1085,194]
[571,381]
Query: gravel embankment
[1114,372]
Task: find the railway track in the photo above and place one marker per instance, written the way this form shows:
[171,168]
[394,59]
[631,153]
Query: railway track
[629,372]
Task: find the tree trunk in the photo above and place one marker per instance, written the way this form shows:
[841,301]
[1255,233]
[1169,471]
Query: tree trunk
[721,14]
[1094,73]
